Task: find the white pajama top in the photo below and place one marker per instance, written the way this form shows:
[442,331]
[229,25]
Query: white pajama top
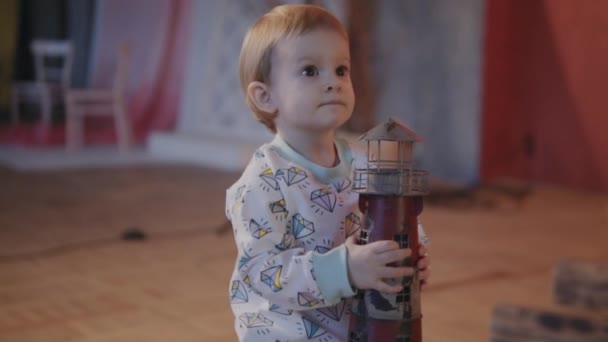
[290,218]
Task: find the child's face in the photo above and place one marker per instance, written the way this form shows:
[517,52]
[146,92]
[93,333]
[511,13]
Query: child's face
[310,82]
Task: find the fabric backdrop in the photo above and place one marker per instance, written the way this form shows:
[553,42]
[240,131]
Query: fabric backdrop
[156,31]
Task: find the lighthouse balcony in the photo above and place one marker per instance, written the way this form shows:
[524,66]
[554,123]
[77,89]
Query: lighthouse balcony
[398,182]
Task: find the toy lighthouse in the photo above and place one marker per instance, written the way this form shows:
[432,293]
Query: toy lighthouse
[391,193]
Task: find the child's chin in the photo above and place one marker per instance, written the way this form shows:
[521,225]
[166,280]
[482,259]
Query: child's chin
[336,117]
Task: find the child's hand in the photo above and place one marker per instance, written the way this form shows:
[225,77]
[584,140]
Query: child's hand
[367,264]
[423,266]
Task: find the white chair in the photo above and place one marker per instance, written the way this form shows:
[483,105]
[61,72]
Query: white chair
[100,102]
[52,67]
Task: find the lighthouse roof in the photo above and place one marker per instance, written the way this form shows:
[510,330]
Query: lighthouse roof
[391,130]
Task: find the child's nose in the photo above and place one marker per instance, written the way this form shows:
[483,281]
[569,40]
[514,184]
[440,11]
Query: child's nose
[333,84]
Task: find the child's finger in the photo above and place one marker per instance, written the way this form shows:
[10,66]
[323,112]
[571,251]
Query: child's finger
[422,250]
[383,246]
[395,255]
[395,272]
[424,274]
[384,287]
[423,263]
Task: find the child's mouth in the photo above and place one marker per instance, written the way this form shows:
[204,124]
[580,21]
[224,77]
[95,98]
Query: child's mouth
[334,102]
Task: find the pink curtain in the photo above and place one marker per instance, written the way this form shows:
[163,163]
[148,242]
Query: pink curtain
[156,31]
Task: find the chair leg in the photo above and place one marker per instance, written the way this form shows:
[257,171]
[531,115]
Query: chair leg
[74,131]
[14,106]
[70,127]
[46,105]
[123,129]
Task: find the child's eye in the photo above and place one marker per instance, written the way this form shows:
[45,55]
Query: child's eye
[342,70]
[310,71]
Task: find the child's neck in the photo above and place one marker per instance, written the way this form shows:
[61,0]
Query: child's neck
[318,148]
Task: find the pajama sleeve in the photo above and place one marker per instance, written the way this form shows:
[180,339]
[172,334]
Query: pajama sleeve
[271,261]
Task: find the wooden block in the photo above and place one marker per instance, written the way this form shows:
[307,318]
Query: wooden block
[512,323]
[581,284]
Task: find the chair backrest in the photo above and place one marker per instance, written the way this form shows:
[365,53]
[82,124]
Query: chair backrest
[53,60]
[122,66]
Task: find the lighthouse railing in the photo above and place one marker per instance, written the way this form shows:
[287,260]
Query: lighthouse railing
[391,181]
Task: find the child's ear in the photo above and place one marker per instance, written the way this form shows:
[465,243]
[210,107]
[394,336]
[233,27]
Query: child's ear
[259,93]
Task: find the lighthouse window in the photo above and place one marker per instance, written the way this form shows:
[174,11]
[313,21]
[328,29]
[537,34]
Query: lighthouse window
[407,311]
[354,337]
[402,239]
[404,295]
[363,236]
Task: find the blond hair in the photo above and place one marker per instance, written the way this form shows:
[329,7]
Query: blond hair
[281,22]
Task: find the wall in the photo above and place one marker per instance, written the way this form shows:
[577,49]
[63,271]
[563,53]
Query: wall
[428,67]
[544,113]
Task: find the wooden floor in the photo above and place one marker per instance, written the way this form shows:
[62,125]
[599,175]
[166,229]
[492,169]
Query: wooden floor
[65,275]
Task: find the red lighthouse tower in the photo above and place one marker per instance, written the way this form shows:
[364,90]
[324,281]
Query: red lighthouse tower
[391,193]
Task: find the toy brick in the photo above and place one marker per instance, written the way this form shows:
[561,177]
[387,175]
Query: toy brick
[514,324]
[581,284]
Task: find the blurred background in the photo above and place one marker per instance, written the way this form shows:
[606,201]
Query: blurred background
[122,123]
